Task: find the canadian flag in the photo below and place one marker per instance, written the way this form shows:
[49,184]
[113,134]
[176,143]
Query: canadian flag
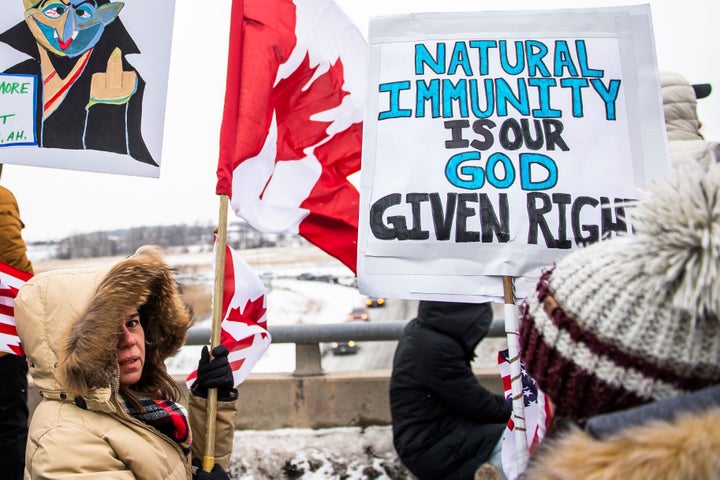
[11,279]
[243,328]
[291,132]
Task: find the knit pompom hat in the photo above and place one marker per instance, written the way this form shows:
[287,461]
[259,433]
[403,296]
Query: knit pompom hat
[633,319]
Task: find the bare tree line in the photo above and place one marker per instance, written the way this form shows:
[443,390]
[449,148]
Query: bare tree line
[126,241]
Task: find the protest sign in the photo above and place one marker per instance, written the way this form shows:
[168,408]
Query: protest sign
[83,85]
[497,142]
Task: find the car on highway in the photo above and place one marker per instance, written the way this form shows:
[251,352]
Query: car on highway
[375,302]
[345,347]
[359,313]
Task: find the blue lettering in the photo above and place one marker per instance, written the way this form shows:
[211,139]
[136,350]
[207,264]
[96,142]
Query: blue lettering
[505,95]
[543,85]
[576,85]
[460,59]
[608,95]
[423,57]
[519,58]
[493,180]
[583,60]
[394,88]
[483,46]
[456,92]
[536,51]
[428,92]
[527,160]
[475,98]
[476,174]
[563,60]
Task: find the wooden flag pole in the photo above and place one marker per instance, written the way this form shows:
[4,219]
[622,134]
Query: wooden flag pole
[512,327]
[208,460]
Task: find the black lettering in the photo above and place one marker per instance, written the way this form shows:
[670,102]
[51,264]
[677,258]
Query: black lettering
[398,224]
[609,225]
[462,235]
[443,220]
[553,129]
[536,216]
[561,200]
[530,142]
[593,232]
[482,127]
[415,199]
[490,222]
[511,125]
[456,127]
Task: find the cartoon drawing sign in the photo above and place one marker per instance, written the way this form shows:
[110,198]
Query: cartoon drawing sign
[496,142]
[83,84]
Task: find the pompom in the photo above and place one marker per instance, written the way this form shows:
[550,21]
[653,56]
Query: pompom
[677,232]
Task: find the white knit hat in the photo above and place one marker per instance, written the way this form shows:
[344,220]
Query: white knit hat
[634,319]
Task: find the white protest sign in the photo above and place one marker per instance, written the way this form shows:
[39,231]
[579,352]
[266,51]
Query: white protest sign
[497,142]
[98,74]
[17,110]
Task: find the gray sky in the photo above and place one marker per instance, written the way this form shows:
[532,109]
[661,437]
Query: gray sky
[56,203]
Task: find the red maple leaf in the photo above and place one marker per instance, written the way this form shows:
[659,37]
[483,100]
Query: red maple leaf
[299,97]
[252,314]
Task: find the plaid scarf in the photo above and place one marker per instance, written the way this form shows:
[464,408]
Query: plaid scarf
[168,417]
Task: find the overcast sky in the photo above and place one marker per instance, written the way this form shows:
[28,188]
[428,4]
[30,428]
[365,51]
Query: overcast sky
[56,203]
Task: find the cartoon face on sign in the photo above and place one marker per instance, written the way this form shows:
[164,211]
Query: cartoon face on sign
[88,97]
[69,29]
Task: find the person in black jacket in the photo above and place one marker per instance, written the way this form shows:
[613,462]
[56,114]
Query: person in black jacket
[445,424]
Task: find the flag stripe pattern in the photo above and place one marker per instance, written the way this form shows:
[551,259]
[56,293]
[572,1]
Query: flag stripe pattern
[291,133]
[537,416]
[11,279]
[243,328]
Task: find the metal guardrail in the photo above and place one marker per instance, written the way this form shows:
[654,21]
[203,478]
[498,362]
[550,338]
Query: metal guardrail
[308,337]
[333,332]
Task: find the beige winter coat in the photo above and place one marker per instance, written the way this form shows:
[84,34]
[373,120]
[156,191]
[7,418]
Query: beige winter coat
[685,449]
[682,124]
[66,320]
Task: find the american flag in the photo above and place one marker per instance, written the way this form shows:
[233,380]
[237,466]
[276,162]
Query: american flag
[244,323]
[537,416]
[11,279]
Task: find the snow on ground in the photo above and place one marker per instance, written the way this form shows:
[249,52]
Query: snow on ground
[336,453]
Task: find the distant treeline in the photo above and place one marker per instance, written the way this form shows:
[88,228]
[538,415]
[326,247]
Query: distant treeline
[126,241]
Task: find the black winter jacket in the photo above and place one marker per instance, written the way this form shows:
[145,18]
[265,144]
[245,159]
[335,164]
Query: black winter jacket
[445,424]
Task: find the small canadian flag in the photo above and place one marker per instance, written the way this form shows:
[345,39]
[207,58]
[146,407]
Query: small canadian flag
[244,321]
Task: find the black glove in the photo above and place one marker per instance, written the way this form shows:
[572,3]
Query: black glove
[215,373]
[217,472]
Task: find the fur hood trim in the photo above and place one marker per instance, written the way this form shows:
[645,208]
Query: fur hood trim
[144,281]
[685,448]
[68,321]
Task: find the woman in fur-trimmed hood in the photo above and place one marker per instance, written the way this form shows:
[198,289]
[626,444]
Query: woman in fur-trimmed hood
[96,341]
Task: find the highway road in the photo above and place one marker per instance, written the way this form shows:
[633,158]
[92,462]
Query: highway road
[379,355]
[372,355]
